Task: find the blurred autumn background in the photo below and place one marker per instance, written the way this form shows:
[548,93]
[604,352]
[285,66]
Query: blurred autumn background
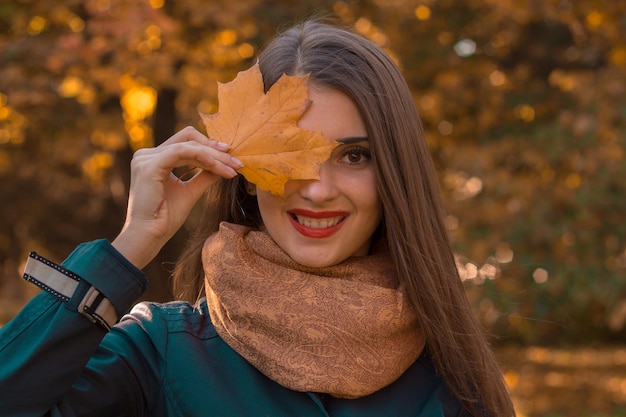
[524,103]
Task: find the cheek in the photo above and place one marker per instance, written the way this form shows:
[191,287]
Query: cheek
[374,203]
[365,192]
[376,215]
[270,205]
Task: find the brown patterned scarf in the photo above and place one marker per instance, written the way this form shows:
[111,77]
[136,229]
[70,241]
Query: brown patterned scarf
[345,330]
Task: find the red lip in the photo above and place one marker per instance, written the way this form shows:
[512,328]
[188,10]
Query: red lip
[317,214]
[313,232]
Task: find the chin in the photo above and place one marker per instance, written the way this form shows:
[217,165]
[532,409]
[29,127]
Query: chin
[315,261]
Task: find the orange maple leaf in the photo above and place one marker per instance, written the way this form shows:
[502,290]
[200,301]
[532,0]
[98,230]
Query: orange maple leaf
[262,130]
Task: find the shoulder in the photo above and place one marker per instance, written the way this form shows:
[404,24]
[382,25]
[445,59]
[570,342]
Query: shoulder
[171,317]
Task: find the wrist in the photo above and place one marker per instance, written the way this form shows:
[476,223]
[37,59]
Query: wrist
[138,250]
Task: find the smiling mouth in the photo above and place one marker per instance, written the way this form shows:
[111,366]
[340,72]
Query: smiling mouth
[315,223]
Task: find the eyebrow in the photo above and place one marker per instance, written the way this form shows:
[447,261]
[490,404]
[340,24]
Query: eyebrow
[352,139]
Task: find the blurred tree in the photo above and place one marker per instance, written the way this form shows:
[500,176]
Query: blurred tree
[522,102]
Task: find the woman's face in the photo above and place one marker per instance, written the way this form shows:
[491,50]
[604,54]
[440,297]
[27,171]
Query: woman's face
[323,222]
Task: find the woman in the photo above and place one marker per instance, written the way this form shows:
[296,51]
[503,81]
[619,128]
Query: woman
[341,299]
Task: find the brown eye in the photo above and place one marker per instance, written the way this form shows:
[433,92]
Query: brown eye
[356,156]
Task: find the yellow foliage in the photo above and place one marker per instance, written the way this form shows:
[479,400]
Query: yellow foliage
[76,24]
[618,56]
[227,37]
[138,101]
[12,124]
[140,135]
[594,19]
[96,165]
[422,12]
[245,50]
[511,378]
[107,140]
[341,8]
[525,112]
[37,25]
[573,181]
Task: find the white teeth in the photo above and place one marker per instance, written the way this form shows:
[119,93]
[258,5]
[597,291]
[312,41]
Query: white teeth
[319,223]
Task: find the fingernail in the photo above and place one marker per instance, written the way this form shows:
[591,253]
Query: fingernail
[237,162]
[223,145]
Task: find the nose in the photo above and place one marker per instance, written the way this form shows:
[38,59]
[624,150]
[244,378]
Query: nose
[316,191]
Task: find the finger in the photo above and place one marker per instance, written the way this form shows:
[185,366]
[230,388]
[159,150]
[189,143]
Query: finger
[198,184]
[189,133]
[191,136]
[188,154]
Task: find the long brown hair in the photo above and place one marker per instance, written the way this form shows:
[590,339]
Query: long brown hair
[413,226]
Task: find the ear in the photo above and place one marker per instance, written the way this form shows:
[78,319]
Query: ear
[250,188]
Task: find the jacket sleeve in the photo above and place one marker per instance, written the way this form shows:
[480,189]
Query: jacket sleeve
[46,348]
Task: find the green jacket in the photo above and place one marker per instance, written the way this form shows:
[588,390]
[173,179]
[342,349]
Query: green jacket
[160,359]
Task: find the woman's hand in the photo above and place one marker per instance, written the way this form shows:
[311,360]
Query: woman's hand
[159,202]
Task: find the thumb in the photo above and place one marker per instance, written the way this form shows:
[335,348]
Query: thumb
[199,183]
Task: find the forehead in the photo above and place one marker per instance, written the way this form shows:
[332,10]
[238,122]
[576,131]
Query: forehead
[333,114]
